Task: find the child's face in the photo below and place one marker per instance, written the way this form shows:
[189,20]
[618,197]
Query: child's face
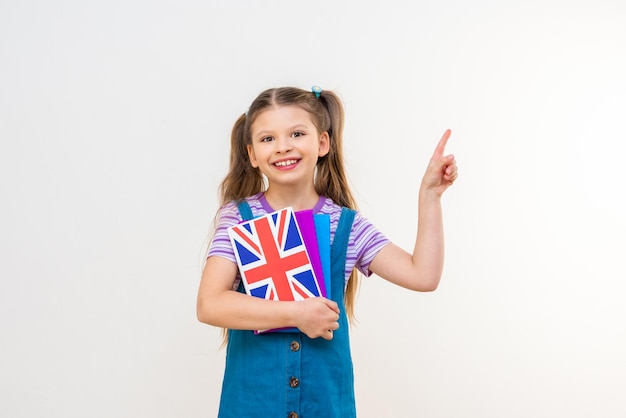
[286,146]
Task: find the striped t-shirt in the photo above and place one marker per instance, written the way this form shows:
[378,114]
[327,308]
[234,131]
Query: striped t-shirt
[364,243]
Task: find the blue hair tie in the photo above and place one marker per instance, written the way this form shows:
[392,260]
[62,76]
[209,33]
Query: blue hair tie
[317,90]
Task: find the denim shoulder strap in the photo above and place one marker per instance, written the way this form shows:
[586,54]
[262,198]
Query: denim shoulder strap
[244,209]
[342,234]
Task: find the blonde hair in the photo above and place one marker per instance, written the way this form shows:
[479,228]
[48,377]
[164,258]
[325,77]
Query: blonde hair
[327,114]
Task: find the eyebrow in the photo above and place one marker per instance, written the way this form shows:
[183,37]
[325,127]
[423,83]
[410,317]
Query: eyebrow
[292,128]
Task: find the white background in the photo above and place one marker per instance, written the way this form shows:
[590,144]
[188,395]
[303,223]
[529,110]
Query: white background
[114,126]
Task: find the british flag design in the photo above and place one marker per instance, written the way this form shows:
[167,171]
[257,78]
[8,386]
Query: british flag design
[272,258]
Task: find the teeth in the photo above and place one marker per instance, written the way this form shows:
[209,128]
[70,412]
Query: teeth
[285,163]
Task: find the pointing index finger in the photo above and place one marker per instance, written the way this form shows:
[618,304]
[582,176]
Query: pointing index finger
[442,144]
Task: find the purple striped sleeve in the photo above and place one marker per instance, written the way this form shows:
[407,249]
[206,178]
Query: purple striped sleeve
[228,216]
[368,241]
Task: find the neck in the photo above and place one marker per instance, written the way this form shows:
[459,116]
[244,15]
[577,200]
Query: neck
[298,199]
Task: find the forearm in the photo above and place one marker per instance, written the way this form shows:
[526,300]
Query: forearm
[234,310]
[428,254]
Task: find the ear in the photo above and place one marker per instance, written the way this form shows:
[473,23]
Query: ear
[324,144]
[252,157]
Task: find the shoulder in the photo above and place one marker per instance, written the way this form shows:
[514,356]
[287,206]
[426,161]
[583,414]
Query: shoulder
[227,215]
[256,204]
[229,211]
[329,207]
[334,210]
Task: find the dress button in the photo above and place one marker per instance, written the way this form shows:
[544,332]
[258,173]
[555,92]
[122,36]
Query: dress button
[294,346]
[293,415]
[294,382]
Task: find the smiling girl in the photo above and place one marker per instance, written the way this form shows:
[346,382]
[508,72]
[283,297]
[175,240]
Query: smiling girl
[286,151]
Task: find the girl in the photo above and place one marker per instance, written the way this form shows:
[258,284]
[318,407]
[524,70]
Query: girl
[287,151]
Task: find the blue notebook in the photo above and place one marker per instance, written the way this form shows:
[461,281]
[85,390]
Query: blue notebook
[322,230]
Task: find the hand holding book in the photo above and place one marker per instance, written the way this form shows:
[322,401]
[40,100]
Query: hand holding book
[279,256]
[318,317]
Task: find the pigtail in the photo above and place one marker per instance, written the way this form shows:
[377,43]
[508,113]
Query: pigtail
[331,180]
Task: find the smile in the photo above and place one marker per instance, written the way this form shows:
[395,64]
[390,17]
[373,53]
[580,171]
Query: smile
[285,163]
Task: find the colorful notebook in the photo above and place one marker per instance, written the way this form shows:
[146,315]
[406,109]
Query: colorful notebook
[322,232]
[307,225]
[280,256]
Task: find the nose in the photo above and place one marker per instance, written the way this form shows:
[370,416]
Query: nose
[283,145]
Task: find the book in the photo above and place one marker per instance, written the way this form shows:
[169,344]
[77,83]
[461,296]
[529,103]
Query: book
[322,233]
[307,222]
[274,259]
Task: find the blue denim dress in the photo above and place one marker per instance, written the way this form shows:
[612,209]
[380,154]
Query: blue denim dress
[285,374]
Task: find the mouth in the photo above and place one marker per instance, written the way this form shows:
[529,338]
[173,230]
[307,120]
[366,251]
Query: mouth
[286,163]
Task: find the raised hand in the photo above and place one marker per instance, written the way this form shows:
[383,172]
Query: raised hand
[442,170]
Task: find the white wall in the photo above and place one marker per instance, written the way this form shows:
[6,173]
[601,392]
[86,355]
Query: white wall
[114,124]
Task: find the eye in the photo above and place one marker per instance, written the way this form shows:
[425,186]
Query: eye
[267,139]
[297,134]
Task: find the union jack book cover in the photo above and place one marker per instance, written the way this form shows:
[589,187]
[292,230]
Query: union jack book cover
[273,259]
